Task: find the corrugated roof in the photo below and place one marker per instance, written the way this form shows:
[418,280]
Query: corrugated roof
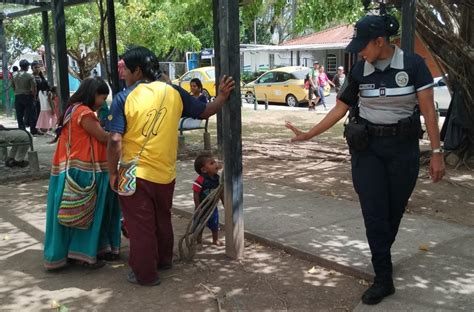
[338,34]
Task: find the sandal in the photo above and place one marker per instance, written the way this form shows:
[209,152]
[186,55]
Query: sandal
[109,257]
[165,266]
[93,266]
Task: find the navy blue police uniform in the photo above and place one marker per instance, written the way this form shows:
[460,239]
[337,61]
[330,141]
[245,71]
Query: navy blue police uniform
[384,173]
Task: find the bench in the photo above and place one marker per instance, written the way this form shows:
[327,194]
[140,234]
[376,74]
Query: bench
[188,124]
[32,154]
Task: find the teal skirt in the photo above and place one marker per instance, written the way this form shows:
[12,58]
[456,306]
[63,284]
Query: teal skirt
[102,237]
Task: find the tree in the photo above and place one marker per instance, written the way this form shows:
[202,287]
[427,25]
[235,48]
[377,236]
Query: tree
[447,29]
[23,34]
[289,19]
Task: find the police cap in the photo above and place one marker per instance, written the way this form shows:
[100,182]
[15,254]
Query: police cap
[370,27]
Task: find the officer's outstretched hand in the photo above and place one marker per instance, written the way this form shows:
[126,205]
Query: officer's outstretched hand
[299,135]
[437,167]
[226,86]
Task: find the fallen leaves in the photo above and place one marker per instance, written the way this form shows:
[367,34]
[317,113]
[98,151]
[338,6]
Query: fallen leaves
[59,307]
[424,247]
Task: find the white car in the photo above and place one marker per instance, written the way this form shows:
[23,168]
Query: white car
[442,97]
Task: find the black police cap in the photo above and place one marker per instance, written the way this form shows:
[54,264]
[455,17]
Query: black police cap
[370,27]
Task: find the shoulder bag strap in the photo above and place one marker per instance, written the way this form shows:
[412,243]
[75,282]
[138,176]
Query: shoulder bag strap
[68,147]
[155,120]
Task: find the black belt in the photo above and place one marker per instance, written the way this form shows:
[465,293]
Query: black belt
[380,130]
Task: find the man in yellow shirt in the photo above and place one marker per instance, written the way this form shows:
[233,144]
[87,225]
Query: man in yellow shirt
[143,123]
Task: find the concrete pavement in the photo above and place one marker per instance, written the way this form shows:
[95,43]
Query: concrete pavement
[330,231]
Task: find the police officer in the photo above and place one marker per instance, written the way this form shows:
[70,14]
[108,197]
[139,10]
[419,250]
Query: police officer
[386,88]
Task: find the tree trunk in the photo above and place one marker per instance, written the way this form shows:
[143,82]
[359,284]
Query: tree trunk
[102,40]
[447,29]
[85,64]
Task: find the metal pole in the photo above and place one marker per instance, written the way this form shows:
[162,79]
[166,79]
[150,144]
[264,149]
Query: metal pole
[113,46]
[217,66]
[47,48]
[232,132]
[408,25]
[61,51]
[6,81]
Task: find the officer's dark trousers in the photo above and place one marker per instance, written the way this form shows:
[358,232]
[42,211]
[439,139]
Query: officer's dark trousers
[384,177]
[25,110]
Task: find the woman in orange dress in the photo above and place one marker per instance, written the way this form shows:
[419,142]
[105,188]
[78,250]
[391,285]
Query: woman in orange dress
[101,241]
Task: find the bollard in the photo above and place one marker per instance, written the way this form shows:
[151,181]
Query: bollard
[33,160]
[266,102]
[207,141]
[255,102]
[181,144]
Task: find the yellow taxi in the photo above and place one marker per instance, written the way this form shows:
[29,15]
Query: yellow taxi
[207,75]
[280,85]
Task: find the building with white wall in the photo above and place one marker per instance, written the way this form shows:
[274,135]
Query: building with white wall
[326,47]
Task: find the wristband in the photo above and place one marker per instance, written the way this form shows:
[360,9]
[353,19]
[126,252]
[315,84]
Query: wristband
[439,150]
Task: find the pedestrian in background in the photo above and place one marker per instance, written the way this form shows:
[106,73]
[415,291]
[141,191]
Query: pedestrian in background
[339,78]
[24,86]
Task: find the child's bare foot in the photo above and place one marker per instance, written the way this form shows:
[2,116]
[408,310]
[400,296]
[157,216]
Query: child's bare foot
[217,243]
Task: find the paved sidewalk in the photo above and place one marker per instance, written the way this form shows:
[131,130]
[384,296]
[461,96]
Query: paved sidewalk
[331,232]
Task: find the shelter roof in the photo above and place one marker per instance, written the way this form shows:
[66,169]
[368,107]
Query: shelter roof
[17,8]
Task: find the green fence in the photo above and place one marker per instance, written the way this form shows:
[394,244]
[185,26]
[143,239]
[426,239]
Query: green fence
[7,107]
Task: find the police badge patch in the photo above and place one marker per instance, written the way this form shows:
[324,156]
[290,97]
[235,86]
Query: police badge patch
[401,79]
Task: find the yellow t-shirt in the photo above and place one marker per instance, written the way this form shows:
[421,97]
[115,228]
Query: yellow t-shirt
[144,117]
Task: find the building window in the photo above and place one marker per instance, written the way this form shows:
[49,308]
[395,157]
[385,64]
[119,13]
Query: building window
[331,61]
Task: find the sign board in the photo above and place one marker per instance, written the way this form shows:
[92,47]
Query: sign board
[207,53]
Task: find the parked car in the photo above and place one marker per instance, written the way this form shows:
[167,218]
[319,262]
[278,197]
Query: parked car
[207,75]
[442,97]
[280,85]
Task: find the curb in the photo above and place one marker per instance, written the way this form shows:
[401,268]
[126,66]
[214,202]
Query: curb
[25,177]
[328,264]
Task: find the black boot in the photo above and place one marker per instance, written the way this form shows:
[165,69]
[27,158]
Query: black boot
[378,291]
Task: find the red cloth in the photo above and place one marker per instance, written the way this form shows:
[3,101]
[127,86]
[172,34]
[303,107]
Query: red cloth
[121,69]
[197,185]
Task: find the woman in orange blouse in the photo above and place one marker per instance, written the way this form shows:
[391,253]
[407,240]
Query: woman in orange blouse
[101,241]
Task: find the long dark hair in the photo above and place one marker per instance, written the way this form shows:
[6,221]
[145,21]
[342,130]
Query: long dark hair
[143,58]
[85,95]
[198,83]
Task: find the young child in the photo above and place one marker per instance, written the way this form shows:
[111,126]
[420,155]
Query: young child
[54,101]
[207,168]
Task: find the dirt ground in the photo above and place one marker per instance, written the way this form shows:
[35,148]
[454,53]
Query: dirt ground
[323,165]
[266,280]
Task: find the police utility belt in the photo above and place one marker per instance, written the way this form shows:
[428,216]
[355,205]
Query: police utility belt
[358,130]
